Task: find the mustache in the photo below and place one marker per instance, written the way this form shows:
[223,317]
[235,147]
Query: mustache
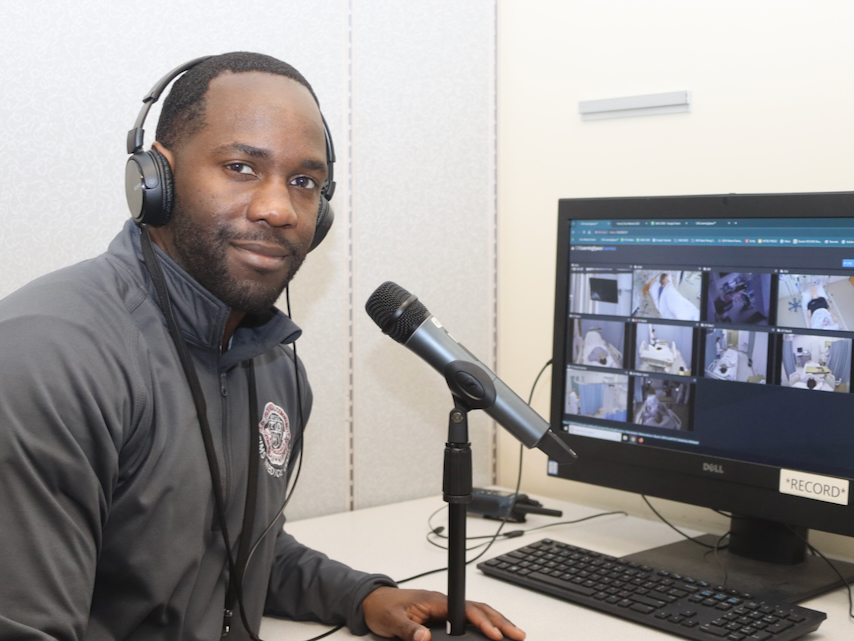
[270,236]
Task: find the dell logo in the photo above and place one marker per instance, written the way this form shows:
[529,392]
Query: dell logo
[717,468]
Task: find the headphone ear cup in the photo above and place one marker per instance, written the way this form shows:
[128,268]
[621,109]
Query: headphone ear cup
[325,216]
[167,196]
[148,187]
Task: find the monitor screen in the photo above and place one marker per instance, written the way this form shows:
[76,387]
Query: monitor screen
[604,290]
[703,353]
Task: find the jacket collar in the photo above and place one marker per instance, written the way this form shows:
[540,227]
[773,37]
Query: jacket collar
[201,315]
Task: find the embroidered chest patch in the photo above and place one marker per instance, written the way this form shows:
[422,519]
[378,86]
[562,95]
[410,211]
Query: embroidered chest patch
[275,442]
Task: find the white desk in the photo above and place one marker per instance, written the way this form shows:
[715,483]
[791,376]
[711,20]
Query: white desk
[391,540]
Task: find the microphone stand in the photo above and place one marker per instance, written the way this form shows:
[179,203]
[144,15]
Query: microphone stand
[472,389]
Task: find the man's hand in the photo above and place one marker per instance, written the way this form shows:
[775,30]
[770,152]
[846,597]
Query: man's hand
[391,612]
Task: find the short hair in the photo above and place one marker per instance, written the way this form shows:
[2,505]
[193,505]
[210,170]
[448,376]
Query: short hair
[183,113]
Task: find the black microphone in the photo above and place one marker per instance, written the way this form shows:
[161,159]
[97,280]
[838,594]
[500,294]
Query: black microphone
[400,315]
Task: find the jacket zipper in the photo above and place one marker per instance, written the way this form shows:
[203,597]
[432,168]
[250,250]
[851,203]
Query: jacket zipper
[226,441]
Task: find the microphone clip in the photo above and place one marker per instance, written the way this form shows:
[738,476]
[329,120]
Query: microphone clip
[470,385]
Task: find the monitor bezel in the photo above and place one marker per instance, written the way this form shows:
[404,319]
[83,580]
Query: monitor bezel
[740,487]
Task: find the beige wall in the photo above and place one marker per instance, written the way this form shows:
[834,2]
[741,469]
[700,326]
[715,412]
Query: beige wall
[773,91]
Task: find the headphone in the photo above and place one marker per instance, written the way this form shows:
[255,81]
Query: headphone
[148,175]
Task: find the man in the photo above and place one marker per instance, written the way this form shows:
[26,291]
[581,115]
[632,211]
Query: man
[109,526]
[671,303]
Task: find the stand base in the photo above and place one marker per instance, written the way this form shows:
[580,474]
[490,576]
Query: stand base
[440,632]
[790,583]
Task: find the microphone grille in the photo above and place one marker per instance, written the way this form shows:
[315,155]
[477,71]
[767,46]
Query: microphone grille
[397,312]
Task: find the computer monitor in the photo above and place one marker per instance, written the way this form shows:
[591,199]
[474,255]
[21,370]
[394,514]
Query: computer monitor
[715,372]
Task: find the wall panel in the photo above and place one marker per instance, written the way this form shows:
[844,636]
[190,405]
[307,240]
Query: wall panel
[423,217]
[415,198]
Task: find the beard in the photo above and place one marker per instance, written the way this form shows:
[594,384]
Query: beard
[202,251]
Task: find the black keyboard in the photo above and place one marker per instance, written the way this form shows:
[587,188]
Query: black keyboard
[681,605]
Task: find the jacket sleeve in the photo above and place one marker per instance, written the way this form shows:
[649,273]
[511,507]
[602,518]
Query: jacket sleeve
[308,585]
[58,463]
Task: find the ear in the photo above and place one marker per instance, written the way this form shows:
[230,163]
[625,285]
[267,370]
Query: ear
[170,157]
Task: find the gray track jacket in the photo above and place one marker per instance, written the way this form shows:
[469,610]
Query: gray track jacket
[107,521]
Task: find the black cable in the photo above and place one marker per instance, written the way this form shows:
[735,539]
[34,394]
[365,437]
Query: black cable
[677,530]
[815,550]
[586,518]
[495,536]
[300,412]
[720,562]
[155,271]
[537,380]
[517,533]
[518,476]
[327,633]
[513,534]
[500,527]
[715,548]
[299,440]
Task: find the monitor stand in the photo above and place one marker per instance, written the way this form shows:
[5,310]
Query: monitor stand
[783,570]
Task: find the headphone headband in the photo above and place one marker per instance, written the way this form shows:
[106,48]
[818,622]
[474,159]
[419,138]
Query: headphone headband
[135,135]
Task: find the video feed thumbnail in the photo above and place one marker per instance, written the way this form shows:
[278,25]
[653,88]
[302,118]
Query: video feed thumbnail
[818,363]
[607,293]
[673,294]
[815,302]
[597,394]
[740,298]
[736,355]
[598,343]
[664,348]
[662,403]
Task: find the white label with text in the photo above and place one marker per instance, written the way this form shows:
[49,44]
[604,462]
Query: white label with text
[813,486]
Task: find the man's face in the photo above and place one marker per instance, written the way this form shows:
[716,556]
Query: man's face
[247,189]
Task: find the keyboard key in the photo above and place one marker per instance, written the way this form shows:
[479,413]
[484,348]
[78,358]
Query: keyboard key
[655,594]
[776,628]
[655,603]
[714,630]
[572,587]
